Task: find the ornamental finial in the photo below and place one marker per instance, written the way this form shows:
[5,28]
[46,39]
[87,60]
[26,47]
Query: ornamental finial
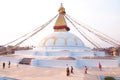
[62,9]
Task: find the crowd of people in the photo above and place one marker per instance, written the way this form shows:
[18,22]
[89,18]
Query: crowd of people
[69,70]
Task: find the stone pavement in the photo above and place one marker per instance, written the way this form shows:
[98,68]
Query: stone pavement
[25,72]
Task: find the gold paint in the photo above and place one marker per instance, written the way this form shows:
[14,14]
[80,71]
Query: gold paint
[54,38]
[45,40]
[61,9]
[60,21]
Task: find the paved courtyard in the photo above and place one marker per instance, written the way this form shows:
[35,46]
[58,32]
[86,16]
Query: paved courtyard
[25,72]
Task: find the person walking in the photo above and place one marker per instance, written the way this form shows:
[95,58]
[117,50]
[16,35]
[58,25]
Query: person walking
[100,66]
[71,69]
[67,71]
[9,64]
[3,65]
[85,69]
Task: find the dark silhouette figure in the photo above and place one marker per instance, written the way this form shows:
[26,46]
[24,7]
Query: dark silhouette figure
[3,65]
[85,70]
[100,66]
[71,69]
[67,71]
[9,64]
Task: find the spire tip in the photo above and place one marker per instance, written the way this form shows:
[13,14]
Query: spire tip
[61,9]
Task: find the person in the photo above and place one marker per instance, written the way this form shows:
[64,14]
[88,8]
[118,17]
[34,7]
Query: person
[85,70]
[67,71]
[100,66]
[17,64]
[9,64]
[3,65]
[71,69]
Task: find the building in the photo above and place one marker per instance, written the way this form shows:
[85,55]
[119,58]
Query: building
[62,47]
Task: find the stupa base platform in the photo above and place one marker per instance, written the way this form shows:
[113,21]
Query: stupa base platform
[76,63]
[58,61]
[72,58]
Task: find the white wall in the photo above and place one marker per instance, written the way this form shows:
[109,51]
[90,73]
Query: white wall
[53,63]
[75,63]
[94,62]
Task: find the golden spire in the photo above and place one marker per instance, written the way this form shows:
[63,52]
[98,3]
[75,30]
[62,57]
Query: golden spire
[61,25]
[61,9]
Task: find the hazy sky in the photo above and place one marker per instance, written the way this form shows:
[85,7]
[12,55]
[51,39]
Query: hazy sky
[18,17]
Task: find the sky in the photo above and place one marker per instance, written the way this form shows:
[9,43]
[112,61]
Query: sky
[18,17]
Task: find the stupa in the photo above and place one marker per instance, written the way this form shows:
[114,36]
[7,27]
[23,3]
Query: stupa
[61,38]
[61,47]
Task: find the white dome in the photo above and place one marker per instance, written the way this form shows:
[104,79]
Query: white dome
[62,40]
